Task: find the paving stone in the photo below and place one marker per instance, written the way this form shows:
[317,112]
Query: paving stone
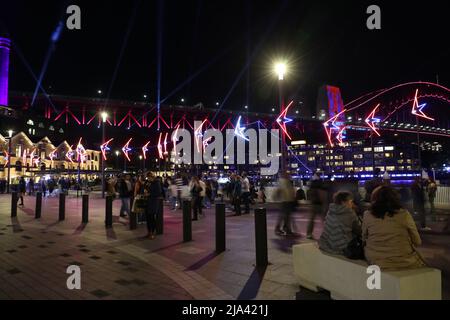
[100,293]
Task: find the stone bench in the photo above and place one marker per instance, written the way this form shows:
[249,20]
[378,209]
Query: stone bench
[347,279]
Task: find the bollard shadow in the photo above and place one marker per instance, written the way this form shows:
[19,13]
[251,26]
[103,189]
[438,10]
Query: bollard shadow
[202,262]
[285,244]
[28,211]
[163,248]
[79,229]
[116,219]
[251,287]
[15,223]
[111,234]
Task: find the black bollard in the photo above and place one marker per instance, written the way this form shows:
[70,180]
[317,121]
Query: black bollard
[261,237]
[14,200]
[160,217]
[38,211]
[85,209]
[62,207]
[133,220]
[220,227]
[108,212]
[187,221]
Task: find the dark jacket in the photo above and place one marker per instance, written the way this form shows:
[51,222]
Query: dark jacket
[341,225]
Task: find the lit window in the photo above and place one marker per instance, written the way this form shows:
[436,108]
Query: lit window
[30,122]
[311,158]
[61,130]
[390,168]
[390,148]
[388,155]
[51,128]
[348,163]
[41,125]
[367,149]
[368,168]
[357,156]
[379,149]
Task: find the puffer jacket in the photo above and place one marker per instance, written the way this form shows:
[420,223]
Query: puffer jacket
[341,225]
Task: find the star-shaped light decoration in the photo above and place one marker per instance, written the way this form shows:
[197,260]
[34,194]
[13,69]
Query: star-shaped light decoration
[81,152]
[52,156]
[330,126]
[69,154]
[175,139]
[160,148]
[126,149]
[198,135]
[105,148]
[165,143]
[417,109]
[145,150]
[239,131]
[205,143]
[32,156]
[373,121]
[283,119]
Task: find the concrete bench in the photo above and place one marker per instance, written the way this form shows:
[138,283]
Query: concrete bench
[347,279]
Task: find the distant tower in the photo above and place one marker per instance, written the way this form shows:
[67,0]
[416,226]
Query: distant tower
[5,44]
[329,102]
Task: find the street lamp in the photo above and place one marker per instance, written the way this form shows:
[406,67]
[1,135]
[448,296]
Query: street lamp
[280,69]
[10,133]
[140,159]
[99,92]
[117,158]
[104,116]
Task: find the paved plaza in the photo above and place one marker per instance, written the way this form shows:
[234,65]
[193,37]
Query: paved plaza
[120,264]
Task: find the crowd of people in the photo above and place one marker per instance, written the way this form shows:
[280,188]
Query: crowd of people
[376,226]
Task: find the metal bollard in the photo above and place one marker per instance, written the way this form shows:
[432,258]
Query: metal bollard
[38,211]
[220,228]
[108,212]
[160,217]
[261,237]
[85,209]
[14,200]
[187,221]
[62,207]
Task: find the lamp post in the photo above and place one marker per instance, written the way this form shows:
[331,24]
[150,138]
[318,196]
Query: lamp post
[10,133]
[104,118]
[117,159]
[141,162]
[280,70]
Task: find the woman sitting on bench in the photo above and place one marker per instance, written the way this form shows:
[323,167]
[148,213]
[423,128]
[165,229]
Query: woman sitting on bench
[390,233]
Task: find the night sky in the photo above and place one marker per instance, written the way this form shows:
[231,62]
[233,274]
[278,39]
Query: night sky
[213,41]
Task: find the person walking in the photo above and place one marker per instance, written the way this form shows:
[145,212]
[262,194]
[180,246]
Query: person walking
[124,195]
[22,190]
[418,195]
[153,192]
[246,193]
[139,202]
[195,190]
[432,190]
[317,195]
[237,195]
[286,194]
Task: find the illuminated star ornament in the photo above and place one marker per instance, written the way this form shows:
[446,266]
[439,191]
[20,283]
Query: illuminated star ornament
[36,161]
[205,143]
[126,149]
[52,156]
[69,154]
[330,126]
[160,148]
[283,119]
[417,109]
[239,131]
[165,143]
[199,135]
[81,152]
[105,148]
[372,121]
[145,150]
[175,139]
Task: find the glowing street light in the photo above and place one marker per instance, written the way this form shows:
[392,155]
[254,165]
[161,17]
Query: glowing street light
[99,91]
[217,103]
[182,100]
[104,116]
[280,70]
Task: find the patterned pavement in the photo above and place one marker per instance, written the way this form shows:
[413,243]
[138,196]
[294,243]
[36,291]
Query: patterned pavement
[120,264]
